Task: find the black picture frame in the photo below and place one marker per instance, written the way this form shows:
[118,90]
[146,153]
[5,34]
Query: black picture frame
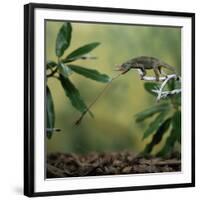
[29,88]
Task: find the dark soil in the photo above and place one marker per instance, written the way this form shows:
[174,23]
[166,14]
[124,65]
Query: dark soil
[72,165]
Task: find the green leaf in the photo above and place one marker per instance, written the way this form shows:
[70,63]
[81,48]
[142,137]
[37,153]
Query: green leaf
[50,64]
[151,86]
[169,145]
[64,70]
[151,111]
[175,135]
[153,126]
[73,94]
[90,73]
[63,39]
[50,112]
[81,51]
[171,84]
[158,136]
[178,99]
[176,124]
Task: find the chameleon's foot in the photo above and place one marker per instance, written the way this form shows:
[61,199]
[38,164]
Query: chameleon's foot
[142,78]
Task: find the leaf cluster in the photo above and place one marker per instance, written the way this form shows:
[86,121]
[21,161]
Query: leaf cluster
[62,70]
[166,119]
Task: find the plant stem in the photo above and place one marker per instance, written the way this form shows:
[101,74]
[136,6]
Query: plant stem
[52,73]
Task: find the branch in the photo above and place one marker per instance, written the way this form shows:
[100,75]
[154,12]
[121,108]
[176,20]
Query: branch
[152,78]
[169,77]
[52,73]
[165,79]
[165,94]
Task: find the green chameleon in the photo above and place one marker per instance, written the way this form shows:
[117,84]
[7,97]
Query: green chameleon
[146,63]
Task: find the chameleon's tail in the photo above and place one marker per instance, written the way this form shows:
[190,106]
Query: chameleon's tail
[169,67]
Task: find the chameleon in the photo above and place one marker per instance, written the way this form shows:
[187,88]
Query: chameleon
[146,63]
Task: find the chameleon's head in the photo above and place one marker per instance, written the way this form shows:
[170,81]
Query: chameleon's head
[125,67]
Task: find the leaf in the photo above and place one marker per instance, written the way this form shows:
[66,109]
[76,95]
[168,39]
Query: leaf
[176,124]
[171,84]
[177,84]
[151,86]
[151,111]
[73,94]
[158,136]
[168,145]
[50,112]
[63,39]
[175,135]
[90,73]
[153,126]
[81,51]
[178,99]
[64,70]
[50,64]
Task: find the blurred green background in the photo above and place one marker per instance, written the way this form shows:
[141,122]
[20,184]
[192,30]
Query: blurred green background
[114,127]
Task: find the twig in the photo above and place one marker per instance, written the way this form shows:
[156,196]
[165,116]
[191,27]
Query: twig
[169,77]
[152,78]
[80,58]
[52,73]
[165,79]
[165,94]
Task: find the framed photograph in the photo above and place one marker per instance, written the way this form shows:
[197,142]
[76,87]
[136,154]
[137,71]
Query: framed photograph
[108,99]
